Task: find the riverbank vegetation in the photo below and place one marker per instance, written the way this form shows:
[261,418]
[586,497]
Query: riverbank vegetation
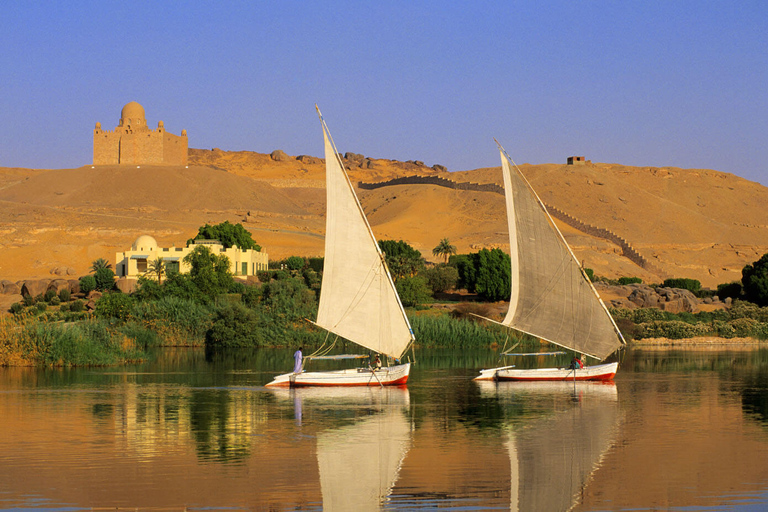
[207,306]
[742,320]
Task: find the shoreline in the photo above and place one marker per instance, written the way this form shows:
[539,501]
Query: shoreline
[700,342]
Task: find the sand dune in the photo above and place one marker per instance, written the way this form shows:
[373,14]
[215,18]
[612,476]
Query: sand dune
[700,224]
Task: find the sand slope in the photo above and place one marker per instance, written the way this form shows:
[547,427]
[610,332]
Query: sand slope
[701,224]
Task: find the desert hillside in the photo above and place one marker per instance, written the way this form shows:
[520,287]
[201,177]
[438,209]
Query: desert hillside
[700,224]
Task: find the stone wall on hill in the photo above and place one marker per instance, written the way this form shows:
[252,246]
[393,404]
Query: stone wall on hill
[627,250]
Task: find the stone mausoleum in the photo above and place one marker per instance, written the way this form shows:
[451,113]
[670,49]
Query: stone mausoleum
[132,142]
[135,262]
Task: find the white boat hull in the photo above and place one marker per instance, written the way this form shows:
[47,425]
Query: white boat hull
[387,376]
[597,372]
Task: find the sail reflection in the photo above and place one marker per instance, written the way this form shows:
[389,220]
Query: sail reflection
[553,457]
[359,462]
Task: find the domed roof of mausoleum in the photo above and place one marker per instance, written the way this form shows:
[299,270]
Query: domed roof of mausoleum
[144,243]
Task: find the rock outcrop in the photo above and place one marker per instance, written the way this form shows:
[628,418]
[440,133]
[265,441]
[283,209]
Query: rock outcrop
[279,155]
[34,287]
[674,300]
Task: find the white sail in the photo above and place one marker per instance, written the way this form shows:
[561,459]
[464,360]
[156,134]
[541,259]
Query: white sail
[358,300]
[551,297]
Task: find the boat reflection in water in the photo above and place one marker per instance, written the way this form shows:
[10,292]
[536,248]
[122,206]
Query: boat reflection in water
[553,457]
[359,461]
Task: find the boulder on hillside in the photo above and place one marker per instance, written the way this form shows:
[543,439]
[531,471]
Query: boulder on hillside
[59,284]
[279,155]
[74,285]
[644,297]
[9,288]
[354,157]
[677,300]
[623,303]
[440,168]
[306,159]
[367,164]
[35,287]
[63,271]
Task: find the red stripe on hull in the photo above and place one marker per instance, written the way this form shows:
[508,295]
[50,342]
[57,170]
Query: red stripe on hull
[606,377]
[398,382]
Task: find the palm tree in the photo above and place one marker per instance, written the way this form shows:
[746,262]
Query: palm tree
[444,249]
[100,263]
[157,267]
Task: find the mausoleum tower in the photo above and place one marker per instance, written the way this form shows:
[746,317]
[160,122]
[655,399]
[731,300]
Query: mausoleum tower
[132,142]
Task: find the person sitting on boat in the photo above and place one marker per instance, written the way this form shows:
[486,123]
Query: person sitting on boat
[576,363]
[377,362]
[297,357]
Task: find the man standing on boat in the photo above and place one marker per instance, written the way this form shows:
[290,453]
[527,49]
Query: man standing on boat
[297,357]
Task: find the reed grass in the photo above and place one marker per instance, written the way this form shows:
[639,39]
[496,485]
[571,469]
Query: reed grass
[442,331]
[26,340]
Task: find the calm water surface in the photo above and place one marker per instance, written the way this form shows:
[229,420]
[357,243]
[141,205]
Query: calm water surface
[678,430]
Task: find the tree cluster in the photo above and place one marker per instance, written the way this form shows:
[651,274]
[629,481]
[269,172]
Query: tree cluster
[230,235]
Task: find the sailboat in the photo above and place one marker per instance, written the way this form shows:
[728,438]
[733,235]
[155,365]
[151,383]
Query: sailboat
[551,296]
[358,299]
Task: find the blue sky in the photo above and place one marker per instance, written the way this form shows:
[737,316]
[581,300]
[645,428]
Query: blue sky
[677,83]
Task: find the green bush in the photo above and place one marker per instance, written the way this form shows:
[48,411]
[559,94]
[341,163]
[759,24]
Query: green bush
[41,306]
[315,264]
[114,305]
[413,291]
[402,259]
[234,326]
[64,295]
[295,263]
[237,287]
[465,266]
[54,301]
[87,284]
[590,274]
[672,329]
[726,290]
[49,295]
[29,300]
[289,299]
[744,309]
[441,278]
[629,280]
[754,279]
[251,296]
[64,307]
[692,285]
[17,308]
[105,279]
[230,235]
[176,320]
[77,306]
[493,275]
[312,279]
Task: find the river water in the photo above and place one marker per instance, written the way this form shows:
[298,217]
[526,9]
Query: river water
[678,430]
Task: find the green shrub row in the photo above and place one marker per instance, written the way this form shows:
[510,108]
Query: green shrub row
[31,341]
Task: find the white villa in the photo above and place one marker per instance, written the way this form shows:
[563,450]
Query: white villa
[134,263]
